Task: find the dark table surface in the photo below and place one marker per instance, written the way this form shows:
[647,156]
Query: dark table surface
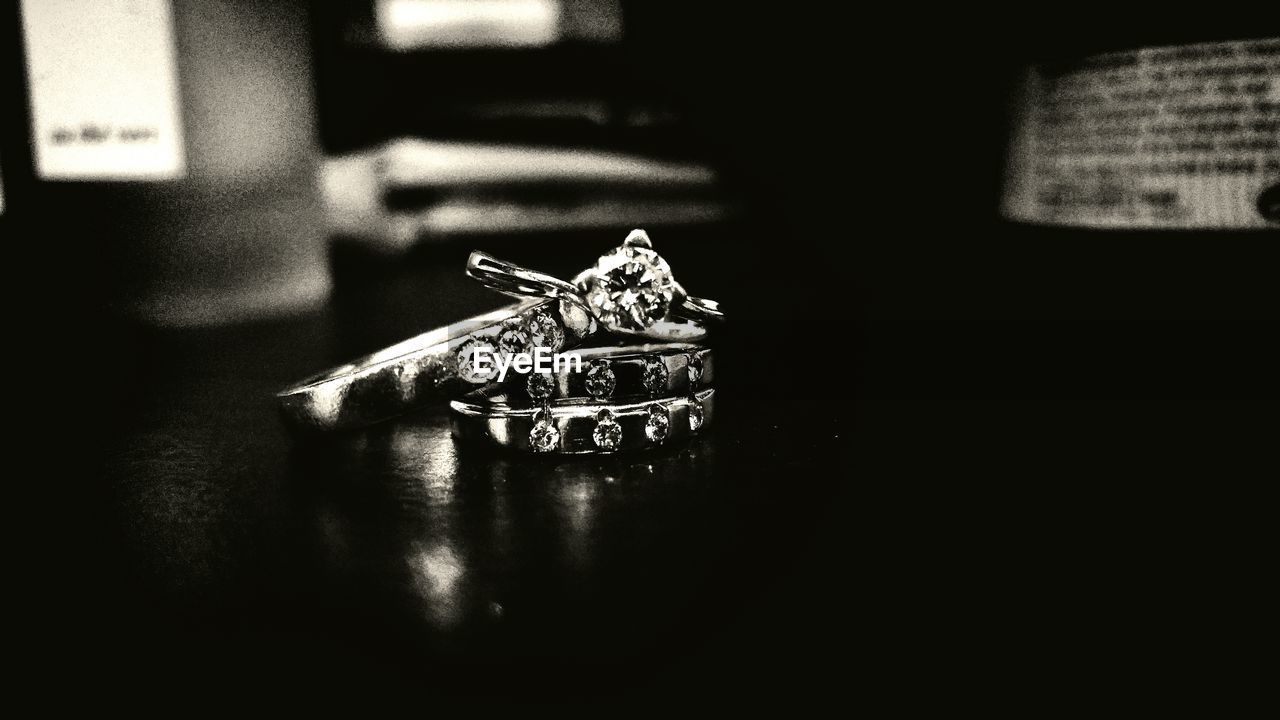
[1045,374]
[228,549]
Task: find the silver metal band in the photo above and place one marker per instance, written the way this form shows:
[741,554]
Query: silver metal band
[422,370]
[699,308]
[579,426]
[608,372]
[512,279]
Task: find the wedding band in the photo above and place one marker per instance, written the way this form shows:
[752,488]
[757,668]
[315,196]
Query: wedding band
[656,370]
[431,367]
[629,291]
[580,425]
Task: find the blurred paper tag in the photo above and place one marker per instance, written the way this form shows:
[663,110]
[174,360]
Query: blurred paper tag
[1169,137]
[410,24]
[104,89]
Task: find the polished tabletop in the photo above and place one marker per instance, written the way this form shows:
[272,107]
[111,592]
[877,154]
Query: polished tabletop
[1056,384]
[234,546]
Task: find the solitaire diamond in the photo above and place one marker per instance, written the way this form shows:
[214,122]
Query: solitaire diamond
[630,288]
[608,433]
[658,424]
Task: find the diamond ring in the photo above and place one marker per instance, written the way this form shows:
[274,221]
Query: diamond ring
[438,365]
[629,291]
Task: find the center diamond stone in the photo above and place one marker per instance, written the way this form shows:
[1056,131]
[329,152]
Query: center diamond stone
[630,288]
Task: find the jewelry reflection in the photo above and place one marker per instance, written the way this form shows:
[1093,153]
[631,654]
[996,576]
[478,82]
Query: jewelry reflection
[438,575]
[577,510]
[419,450]
[410,523]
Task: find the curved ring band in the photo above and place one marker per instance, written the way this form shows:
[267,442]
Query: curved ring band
[422,370]
[572,427]
[699,308]
[609,372]
[509,278]
[431,368]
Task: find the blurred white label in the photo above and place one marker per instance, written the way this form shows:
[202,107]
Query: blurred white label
[1170,137]
[412,24]
[104,89]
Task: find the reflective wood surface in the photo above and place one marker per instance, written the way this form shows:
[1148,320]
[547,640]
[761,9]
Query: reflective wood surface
[235,547]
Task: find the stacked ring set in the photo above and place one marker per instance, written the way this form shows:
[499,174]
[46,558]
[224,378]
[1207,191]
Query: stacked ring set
[636,373]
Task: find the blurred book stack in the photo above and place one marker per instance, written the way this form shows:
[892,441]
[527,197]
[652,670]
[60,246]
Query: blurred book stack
[448,118]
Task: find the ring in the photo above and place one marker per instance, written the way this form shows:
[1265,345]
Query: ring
[616,372]
[433,366]
[629,291]
[580,425]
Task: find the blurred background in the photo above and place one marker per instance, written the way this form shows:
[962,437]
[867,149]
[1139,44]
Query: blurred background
[206,199]
[221,150]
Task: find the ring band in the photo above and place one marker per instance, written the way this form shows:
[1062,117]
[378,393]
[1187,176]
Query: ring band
[656,370]
[434,366]
[579,426]
[509,278]
[700,308]
[425,369]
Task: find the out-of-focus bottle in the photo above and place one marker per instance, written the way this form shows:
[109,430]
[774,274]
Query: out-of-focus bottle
[192,173]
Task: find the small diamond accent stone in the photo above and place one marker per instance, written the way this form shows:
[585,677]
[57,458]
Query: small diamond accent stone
[407,379]
[695,368]
[544,437]
[601,380]
[577,318]
[608,433]
[436,373]
[545,332]
[514,337]
[658,424]
[695,414]
[466,361]
[630,288]
[654,375]
[540,386]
